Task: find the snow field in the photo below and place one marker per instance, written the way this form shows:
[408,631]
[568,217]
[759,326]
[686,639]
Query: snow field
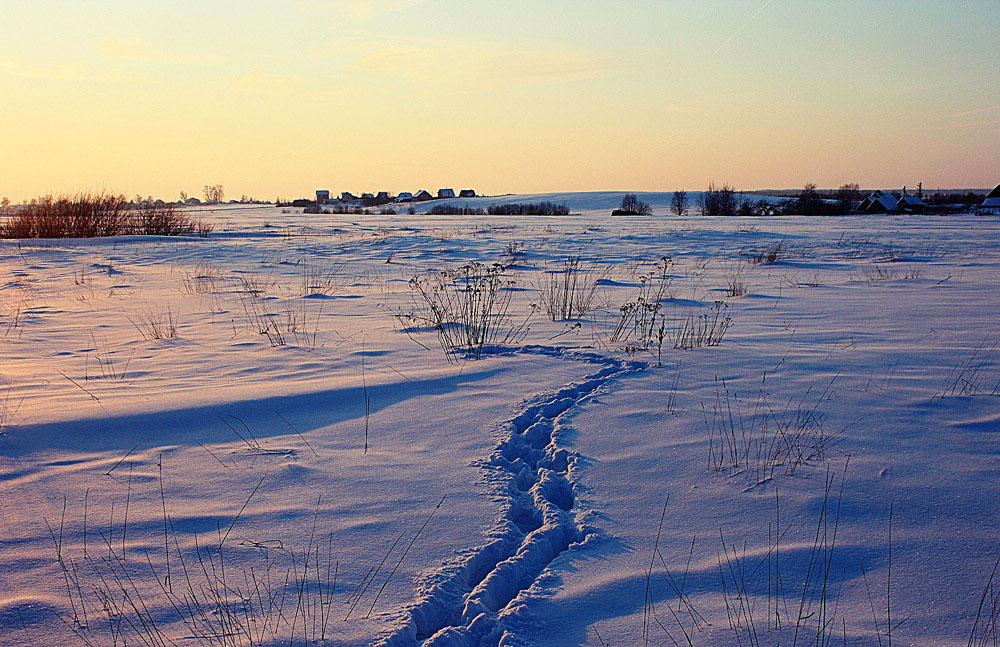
[278,350]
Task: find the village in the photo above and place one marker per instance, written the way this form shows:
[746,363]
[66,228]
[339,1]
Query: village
[385,197]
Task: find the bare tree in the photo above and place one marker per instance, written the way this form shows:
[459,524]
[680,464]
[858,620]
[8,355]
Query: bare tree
[214,193]
[719,201]
[848,195]
[679,203]
[632,204]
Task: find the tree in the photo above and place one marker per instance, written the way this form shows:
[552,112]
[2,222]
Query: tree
[849,195]
[679,203]
[632,204]
[4,203]
[809,202]
[214,193]
[719,201]
[184,196]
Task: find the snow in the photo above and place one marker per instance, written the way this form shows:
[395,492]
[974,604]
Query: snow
[516,499]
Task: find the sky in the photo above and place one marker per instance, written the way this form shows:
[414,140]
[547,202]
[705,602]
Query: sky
[282,98]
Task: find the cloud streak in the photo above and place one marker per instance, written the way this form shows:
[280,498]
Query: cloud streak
[478,63]
[357,11]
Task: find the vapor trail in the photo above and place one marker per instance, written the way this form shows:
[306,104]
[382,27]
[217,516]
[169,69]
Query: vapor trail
[743,26]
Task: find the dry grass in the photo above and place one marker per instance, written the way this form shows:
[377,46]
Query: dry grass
[757,438]
[468,308]
[570,291]
[700,330]
[154,322]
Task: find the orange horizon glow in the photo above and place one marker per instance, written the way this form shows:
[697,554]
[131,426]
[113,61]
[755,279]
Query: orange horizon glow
[401,95]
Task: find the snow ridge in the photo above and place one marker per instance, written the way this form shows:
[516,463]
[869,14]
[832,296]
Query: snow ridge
[463,602]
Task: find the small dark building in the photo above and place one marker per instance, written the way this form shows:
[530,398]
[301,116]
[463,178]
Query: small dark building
[467,193]
[422,196]
[878,202]
[910,204]
[993,199]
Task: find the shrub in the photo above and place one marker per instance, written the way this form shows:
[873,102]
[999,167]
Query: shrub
[451,210]
[529,209]
[89,215]
[632,206]
[719,201]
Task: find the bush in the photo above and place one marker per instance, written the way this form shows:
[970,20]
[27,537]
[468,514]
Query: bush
[451,210]
[540,209]
[632,206]
[97,215]
[719,201]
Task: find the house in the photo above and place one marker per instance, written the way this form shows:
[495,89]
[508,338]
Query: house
[446,193]
[993,199]
[421,196]
[878,202]
[910,204]
[192,202]
[404,196]
[347,196]
[322,197]
[467,193]
[383,197]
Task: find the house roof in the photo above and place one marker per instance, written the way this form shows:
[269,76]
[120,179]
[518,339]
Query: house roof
[995,193]
[884,200]
[992,203]
[911,201]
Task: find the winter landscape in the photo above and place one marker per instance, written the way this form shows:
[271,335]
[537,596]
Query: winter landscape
[699,349]
[723,430]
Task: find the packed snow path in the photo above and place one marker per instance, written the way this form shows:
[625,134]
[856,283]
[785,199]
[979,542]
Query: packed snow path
[464,603]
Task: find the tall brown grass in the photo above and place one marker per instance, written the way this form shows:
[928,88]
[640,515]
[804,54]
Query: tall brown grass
[93,215]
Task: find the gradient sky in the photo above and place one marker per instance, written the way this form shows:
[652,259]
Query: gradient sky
[282,98]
